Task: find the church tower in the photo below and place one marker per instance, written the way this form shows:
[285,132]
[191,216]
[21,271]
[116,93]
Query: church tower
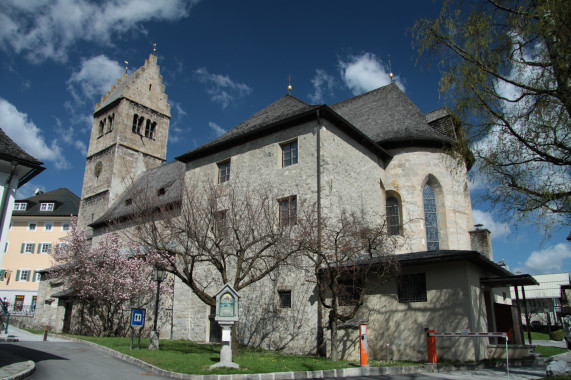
[128,136]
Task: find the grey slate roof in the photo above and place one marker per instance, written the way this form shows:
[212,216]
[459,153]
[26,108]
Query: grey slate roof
[168,177]
[388,116]
[10,150]
[281,110]
[65,202]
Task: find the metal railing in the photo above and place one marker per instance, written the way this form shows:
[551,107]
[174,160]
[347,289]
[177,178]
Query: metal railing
[4,317]
[25,310]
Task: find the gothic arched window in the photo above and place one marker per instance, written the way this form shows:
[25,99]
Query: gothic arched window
[393,216]
[430,218]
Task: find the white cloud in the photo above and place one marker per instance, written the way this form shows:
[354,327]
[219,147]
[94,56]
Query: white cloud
[94,78]
[218,130]
[221,88]
[365,73]
[176,130]
[321,82]
[29,190]
[29,137]
[48,29]
[548,260]
[498,230]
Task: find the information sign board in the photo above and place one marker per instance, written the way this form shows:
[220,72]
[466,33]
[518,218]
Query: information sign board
[138,317]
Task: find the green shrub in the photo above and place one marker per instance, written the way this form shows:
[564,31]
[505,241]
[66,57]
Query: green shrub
[557,335]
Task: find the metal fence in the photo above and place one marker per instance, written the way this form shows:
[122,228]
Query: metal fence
[26,310]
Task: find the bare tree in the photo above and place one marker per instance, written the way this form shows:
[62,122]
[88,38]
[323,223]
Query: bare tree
[346,252]
[215,234]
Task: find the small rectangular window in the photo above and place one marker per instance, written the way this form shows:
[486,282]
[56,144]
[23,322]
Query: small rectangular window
[221,223]
[20,206]
[65,226]
[285,298]
[289,153]
[28,248]
[412,288]
[224,171]
[288,211]
[48,226]
[44,248]
[46,207]
[32,226]
[24,275]
[37,277]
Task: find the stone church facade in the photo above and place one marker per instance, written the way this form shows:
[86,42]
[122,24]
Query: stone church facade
[375,153]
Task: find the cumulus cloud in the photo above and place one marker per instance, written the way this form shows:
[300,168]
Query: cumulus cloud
[548,260]
[218,130]
[29,190]
[93,79]
[322,83]
[28,136]
[221,88]
[45,29]
[365,73]
[498,230]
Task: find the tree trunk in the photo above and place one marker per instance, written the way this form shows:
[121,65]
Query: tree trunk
[333,326]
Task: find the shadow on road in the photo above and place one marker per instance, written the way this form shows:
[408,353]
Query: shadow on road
[10,353]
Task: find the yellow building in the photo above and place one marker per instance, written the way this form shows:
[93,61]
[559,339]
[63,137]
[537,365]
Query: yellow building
[38,224]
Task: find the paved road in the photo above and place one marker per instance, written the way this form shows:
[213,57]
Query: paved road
[67,360]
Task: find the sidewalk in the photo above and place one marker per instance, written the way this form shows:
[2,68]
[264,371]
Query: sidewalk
[12,366]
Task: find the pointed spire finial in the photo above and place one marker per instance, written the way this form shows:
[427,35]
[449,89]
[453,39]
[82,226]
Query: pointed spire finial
[154,48]
[126,66]
[390,69]
[289,88]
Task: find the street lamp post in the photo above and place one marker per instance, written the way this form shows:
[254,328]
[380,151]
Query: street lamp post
[159,276]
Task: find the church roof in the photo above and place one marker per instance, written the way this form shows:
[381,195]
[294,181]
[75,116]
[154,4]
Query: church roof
[65,203]
[287,110]
[158,186]
[388,116]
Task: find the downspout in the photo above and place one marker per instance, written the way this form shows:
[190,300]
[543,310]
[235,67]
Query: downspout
[4,204]
[321,349]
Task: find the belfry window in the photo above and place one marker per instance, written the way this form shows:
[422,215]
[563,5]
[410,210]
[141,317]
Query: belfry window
[430,218]
[135,121]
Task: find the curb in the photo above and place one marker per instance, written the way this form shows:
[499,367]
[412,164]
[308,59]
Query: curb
[320,374]
[25,373]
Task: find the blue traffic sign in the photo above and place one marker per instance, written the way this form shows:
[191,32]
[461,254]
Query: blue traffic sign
[138,317]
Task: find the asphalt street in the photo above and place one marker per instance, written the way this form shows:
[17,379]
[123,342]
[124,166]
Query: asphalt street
[59,360]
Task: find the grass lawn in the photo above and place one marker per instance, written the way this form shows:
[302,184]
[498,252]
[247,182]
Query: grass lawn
[193,358]
[537,336]
[550,351]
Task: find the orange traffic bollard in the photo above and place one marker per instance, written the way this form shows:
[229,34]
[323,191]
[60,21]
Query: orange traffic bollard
[431,346]
[363,345]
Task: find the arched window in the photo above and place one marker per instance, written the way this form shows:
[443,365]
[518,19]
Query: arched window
[393,216]
[430,218]
[135,120]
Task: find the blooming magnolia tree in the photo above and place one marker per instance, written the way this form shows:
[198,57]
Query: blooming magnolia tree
[108,279]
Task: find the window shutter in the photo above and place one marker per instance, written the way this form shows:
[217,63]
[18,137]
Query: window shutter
[29,277]
[34,276]
[2,274]
[22,249]
[18,275]
[33,247]
[39,248]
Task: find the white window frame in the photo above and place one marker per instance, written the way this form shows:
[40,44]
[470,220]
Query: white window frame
[28,273]
[35,224]
[26,244]
[47,206]
[65,227]
[38,277]
[41,248]
[46,224]
[20,206]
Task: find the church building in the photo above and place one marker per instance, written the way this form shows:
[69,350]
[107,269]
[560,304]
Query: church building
[374,154]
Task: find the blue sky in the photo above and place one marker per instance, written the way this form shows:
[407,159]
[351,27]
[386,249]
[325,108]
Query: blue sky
[221,62]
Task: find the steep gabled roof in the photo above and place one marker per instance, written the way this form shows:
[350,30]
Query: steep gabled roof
[388,117]
[65,203]
[282,110]
[10,151]
[145,191]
